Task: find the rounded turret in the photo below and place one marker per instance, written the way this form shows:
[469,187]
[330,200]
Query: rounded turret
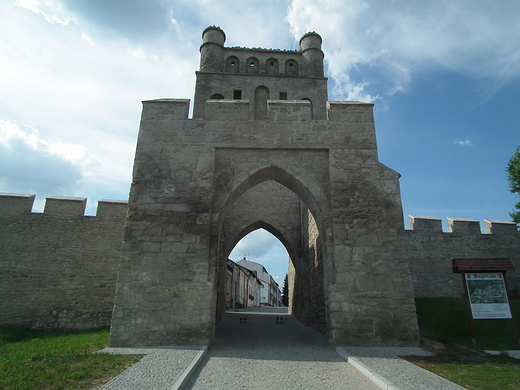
[312,56]
[213,34]
[212,50]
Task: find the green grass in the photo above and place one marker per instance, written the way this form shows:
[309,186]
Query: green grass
[472,370]
[445,330]
[38,359]
[447,319]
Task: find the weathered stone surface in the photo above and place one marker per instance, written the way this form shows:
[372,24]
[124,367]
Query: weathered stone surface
[305,170]
[58,268]
[302,169]
[431,252]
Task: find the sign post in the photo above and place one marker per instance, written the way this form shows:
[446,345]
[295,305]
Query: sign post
[485,288]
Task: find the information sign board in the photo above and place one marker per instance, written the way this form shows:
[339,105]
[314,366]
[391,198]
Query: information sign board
[488,296]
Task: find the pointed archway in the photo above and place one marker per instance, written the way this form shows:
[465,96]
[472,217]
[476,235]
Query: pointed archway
[275,200]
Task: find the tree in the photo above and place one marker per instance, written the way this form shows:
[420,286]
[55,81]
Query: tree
[285,291]
[513,175]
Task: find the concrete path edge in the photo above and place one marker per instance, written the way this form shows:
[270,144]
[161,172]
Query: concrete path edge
[185,376]
[377,379]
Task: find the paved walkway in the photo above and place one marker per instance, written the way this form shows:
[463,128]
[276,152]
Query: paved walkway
[264,348]
[260,353]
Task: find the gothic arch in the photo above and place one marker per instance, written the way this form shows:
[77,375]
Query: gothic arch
[281,176]
[317,206]
[271,229]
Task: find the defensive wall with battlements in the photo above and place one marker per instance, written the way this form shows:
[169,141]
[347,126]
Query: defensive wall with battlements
[58,268]
[265,148]
[431,252]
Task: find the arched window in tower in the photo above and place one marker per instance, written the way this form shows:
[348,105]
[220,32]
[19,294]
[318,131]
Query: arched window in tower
[232,64]
[260,103]
[272,66]
[252,65]
[291,68]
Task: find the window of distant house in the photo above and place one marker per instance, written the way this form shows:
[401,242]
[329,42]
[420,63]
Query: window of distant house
[237,94]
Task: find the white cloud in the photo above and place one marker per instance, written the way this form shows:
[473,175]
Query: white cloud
[52,10]
[466,142]
[262,247]
[83,93]
[396,40]
[29,164]
[255,245]
[77,71]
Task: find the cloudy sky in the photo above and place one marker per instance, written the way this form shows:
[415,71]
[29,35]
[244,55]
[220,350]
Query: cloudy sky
[444,76]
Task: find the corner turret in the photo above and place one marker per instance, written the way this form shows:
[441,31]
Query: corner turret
[312,56]
[212,50]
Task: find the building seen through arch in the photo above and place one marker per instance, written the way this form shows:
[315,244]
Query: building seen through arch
[264,149]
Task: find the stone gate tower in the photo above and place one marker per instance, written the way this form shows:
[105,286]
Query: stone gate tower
[265,149]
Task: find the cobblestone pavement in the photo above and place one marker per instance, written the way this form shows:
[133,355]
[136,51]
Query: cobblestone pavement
[257,350]
[161,368]
[265,348]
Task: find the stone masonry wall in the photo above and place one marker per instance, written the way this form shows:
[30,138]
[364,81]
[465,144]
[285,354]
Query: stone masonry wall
[58,268]
[431,252]
[308,295]
[271,205]
[187,175]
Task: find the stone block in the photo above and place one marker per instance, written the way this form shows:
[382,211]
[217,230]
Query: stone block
[65,206]
[166,109]
[500,227]
[15,204]
[463,225]
[426,224]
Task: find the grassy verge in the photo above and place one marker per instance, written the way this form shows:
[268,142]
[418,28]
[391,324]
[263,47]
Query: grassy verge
[445,331]
[472,370]
[37,359]
[447,319]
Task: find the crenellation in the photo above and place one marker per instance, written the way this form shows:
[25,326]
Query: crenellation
[429,224]
[65,206]
[463,225]
[109,208]
[15,204]
[430,251]
[350,112]
[500,227]
[227,110]
[289,110]
[58,268]
[166,109]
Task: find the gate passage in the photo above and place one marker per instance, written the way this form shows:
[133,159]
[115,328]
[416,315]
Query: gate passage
[264,149]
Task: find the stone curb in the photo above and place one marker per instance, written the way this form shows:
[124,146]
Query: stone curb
[377,379]
[167,367]
[185,376]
